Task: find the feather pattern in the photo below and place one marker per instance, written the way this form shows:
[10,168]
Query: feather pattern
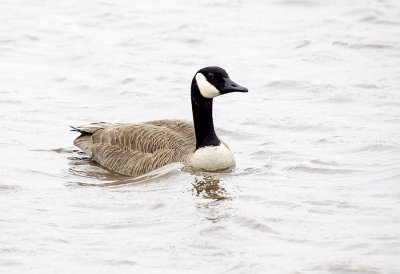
[136,149]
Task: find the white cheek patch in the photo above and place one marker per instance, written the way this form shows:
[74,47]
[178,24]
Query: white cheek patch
[206,89]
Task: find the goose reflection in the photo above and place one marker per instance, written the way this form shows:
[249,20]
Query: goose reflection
[209,187]
[84,168]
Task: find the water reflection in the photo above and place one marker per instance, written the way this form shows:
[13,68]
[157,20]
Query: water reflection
[213,206]
[209,187]
[84,168]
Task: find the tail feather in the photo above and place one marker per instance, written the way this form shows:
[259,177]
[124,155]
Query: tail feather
[82,132]
[90,128]
[84,140]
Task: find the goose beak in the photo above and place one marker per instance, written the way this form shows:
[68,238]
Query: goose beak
[231,86]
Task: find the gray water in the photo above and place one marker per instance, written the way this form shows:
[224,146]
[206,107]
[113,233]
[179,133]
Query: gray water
[316,140]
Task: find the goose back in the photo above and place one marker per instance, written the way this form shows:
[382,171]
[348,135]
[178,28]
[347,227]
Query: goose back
[136,149]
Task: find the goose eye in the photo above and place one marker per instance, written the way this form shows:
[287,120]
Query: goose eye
[211,75]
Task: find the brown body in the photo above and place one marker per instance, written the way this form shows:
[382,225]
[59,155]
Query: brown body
[136,149]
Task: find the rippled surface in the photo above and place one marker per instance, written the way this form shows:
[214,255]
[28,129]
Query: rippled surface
[316,140]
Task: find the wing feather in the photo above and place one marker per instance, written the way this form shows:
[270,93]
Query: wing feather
[136,149]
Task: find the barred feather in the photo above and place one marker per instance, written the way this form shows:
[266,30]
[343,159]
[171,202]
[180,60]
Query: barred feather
[136,149]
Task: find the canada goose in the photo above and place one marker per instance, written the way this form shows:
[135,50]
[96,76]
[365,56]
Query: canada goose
[136,149]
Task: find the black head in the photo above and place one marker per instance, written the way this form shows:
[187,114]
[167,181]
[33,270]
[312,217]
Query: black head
[214,81]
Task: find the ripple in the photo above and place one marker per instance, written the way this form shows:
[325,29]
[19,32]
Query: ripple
[254,225]
[9,188]
[335,100]
[286,84]
[120,262]
[319,170]
[327,163]
[375,20]
[376,147]
[303,44]
[362,46]
[368,86]
[116,179]
[300,3]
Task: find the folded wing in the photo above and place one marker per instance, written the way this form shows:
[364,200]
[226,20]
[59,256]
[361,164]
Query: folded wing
[136,149]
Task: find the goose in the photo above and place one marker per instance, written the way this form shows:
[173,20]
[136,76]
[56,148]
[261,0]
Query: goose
[136,149]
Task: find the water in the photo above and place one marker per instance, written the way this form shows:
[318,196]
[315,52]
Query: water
[316,140]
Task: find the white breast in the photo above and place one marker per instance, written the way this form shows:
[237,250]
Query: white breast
[212,158]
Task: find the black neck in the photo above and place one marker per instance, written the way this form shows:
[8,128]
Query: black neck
[202,119]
